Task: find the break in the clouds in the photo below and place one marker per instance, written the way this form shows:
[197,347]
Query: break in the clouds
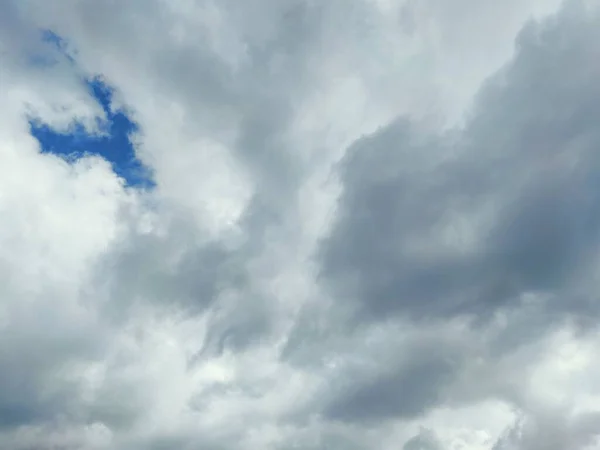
[294,224]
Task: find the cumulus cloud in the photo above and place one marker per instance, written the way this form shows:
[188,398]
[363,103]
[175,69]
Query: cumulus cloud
[374,225]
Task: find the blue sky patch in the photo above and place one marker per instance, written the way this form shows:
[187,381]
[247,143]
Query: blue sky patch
[114,145]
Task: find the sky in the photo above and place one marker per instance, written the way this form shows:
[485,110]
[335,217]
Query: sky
[112,143]
[295,224]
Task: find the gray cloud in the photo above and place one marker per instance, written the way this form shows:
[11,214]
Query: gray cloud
[425,440]
[35,388]
[521,175]
[511,212]
[406,392]
[551,430]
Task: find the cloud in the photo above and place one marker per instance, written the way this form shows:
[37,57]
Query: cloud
[374,226]
[406,391]
[552,430]
[468,222]
[425,440]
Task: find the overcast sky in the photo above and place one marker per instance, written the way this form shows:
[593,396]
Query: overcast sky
[354,224]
